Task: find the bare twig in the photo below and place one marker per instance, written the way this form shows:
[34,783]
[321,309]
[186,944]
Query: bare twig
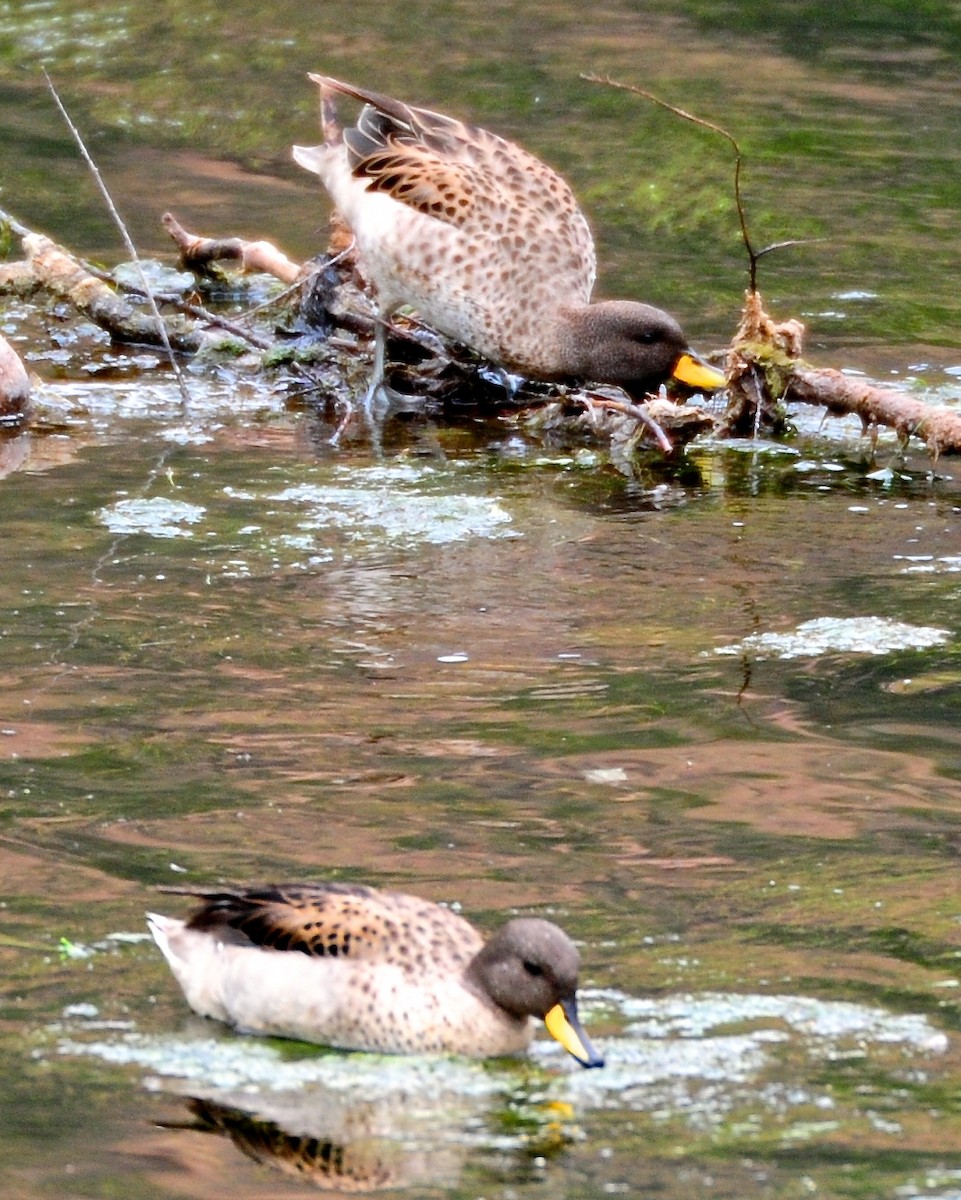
[128,241]
[636,412]
[18,227]
[197,253]
[753,255]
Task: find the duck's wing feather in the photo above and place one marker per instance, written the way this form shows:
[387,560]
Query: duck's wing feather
[455,172]
[338,920]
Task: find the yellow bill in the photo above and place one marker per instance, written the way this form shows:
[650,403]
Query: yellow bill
[690,370]
[562,1024]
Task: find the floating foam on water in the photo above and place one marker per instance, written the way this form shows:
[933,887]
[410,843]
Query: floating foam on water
[156,517]
[249,1064]
[376,503]
[700,1055]
[839,635]
[695,1016]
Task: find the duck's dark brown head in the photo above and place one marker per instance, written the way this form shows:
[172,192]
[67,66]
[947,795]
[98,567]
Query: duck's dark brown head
[530,969]
[635,346]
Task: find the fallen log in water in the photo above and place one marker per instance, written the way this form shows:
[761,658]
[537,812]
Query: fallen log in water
[937,426]
[765,369]
[65,277]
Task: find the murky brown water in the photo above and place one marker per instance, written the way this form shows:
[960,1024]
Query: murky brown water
[484,670]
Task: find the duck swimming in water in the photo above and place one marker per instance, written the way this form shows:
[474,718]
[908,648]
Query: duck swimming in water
[362,969]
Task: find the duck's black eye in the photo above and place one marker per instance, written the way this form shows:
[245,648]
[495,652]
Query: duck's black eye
[533,968]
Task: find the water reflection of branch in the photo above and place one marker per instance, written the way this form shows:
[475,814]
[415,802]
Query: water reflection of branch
[747,673]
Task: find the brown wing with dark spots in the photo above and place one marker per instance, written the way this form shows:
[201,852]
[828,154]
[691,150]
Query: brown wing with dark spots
[419,180]
[340,920]
[454,171]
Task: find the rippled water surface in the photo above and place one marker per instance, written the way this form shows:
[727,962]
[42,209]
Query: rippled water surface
[705,715]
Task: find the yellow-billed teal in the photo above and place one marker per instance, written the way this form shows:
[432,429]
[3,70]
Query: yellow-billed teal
[362,969]
[489,245]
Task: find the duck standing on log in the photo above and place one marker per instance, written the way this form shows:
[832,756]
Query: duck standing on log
[489,246]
